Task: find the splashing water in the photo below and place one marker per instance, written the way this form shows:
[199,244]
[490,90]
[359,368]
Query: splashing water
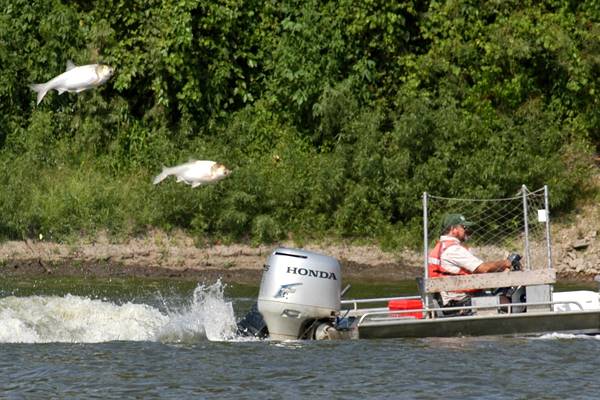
[76,319]
[208,315]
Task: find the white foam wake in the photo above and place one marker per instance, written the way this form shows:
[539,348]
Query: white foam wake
[75,319]
[563,336]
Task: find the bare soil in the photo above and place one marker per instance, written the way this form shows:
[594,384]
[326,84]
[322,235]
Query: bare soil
[162,256]
[576,254]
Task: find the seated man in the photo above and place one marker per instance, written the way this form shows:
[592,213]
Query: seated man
[450,256]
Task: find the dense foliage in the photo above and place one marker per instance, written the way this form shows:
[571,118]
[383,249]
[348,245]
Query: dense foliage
[333,115]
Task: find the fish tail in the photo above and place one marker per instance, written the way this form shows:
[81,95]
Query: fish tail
[160,177]
[41,89]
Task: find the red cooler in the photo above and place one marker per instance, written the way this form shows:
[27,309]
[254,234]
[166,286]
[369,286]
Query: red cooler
[406,304]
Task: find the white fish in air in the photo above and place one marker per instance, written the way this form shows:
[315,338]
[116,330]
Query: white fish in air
[195,172]
[75,79]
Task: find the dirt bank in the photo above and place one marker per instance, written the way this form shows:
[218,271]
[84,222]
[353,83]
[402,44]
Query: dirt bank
[576,254]
[177,257]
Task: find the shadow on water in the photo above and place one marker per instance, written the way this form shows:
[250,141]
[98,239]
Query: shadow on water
[116,289]
[131,289]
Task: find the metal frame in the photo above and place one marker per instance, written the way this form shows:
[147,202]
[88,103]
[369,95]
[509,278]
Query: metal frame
[526,226]
[425,236]
[426,311]
[548,240]
[524,193]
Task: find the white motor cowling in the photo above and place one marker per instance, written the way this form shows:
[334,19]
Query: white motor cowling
[297,288]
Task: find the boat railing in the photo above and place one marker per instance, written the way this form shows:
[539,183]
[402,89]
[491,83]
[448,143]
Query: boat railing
[393,315]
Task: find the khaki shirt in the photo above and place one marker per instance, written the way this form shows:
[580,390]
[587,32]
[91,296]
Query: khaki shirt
[453,259]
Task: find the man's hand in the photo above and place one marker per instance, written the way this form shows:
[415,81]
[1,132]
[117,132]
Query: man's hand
[515,261]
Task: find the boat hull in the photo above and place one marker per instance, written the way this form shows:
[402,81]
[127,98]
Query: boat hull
[585,322]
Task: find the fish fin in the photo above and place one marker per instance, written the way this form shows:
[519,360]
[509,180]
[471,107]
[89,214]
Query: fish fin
[41,89]
[70,65]
[61,90]
[196,184]
[161,177]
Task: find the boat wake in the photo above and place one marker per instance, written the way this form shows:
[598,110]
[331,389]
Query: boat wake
[566,336]
[76,319]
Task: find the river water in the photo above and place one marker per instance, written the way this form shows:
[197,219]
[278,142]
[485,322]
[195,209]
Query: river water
[168,340]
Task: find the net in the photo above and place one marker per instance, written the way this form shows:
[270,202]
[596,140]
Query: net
[518,224]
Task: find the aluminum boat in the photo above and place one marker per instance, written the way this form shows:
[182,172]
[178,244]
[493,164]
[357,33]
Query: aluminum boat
[301,294]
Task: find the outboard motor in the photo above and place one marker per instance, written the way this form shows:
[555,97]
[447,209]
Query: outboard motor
[253,324]
[299,291]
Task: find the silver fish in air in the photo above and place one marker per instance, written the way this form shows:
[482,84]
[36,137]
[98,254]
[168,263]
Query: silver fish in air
[194,173]
[75,79]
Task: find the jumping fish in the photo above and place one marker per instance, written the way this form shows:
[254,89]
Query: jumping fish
[74,79]
[194,173]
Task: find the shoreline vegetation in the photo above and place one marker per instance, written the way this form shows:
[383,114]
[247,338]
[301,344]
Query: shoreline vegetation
[333,117]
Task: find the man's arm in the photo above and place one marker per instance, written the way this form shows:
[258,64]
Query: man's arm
[493,266]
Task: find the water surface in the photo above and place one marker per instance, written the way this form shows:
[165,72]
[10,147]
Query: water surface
[70,339]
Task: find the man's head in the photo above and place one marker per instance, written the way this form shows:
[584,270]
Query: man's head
[456,225]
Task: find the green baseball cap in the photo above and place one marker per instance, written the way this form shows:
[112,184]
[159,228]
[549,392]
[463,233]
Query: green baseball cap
[455,219]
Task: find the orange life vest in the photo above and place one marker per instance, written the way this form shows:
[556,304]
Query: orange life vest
[434,265]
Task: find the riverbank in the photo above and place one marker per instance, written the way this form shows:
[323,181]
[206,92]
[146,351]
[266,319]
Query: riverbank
[576,255]
[162,256]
